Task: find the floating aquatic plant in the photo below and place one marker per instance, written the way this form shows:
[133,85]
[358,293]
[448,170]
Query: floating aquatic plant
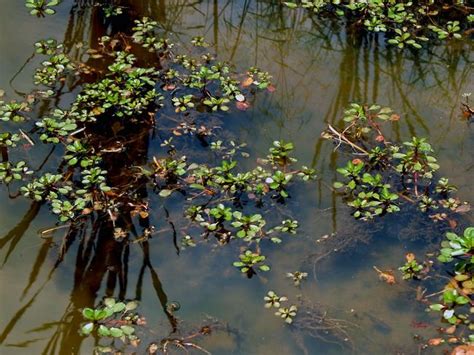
[287,313]
[382,172]
[41,8]
[404,24]
[113,319]
[273,300]
[297,277]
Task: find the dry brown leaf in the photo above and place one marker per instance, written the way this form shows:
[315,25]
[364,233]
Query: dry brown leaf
[141,321]
[438,217]
[190,179]
[169,87]
[247,82]
[466,114]
[209,192]
[450,330]
[113,43]
[435,341]
[152,348]
[386,276]
[111,193]
[30,99]
[410,257]
[97,111]
[394,117]
[135,342]
[467,291]
[86,211]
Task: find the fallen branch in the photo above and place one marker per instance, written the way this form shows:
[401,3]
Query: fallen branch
[343,139]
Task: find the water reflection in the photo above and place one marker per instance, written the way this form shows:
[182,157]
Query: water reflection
[319,70]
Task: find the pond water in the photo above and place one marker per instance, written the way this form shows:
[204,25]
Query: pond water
[317,72]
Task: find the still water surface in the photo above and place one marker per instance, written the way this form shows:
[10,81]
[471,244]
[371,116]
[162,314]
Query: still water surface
[317,71]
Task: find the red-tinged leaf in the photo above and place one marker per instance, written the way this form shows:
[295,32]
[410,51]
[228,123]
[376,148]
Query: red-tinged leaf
[271,88]
[243,106]
[380,138]
[452,223]
[463,208]
[394,117]
[419,325]
[356,161]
